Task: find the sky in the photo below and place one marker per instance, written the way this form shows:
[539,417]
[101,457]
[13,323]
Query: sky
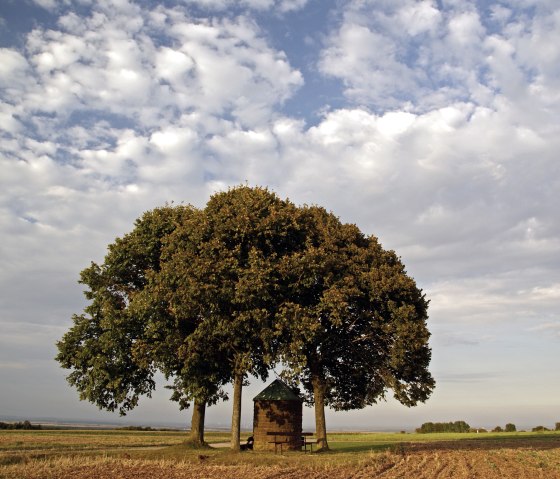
[433,125]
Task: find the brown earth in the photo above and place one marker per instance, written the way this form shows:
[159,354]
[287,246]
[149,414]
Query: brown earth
[430,462]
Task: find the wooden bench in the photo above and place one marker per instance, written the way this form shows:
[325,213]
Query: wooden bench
[283,437]
[307,442]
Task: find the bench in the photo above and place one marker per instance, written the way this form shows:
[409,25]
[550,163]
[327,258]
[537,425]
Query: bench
[283,437]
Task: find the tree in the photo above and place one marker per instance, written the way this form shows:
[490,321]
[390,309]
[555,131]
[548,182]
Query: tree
[229,284]
[510,427]
[354,321]
[115,348]
[431,427]
[212,296]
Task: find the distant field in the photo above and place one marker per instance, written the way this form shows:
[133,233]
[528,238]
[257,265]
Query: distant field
[151,455]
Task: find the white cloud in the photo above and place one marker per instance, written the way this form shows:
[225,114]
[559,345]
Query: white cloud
[63,50]
[481,301]
[173,140]
[368,64]
[101,113]
[465,29]
[547,293]
[171,64]
[8,121]
[444,145]
[257,77]
[281,6]
[500,14]
[291,5]
[13,66]
[548,328]
[377,54]
[110,63]
[47,4]
[419,17]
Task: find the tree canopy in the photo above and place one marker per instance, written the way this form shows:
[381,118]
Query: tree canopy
[210,296]
[431,427]
[101,348]
[231,281]
[355,322]
[117,345]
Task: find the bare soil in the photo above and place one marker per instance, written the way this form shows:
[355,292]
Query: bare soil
[422,463]
[506,457]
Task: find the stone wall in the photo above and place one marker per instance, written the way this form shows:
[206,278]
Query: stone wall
[277,416]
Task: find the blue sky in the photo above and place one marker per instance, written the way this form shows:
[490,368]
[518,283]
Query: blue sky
[433,125]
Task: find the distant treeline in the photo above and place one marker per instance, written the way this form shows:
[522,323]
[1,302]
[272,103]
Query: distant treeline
[509,428]
[462,426]
[19,425]
[145,428]
[543,428]
[457,426]
[136,428]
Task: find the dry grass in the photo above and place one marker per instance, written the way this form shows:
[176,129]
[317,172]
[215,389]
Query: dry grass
[513,456]
[464,464]
[84,440]
[456,464]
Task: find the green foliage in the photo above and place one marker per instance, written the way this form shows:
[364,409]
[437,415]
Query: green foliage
[510,427]
[498,429]
[210,295]
[540,429]
[221,274]
[431,427]
[557,426]
[353,323]
[110,347]
[354,320]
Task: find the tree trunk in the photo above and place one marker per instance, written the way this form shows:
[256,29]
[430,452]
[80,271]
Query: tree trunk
[236,416]
[320,423]
[197,423]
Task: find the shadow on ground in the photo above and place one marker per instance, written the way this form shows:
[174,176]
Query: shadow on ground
[537,442]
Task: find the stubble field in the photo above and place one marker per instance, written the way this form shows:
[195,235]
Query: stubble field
[154,455]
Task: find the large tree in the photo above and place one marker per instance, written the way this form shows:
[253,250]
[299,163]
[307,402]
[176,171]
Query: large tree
[354,321]
[191,293]
[125,335]
[211,296]
[232,282]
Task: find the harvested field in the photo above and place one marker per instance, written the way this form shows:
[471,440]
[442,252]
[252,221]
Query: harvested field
[47,440]
[514,456]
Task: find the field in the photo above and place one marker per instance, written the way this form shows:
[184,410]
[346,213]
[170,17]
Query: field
[150,455]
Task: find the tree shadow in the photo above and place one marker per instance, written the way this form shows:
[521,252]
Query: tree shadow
[341,448]
[282,413]
[533,441]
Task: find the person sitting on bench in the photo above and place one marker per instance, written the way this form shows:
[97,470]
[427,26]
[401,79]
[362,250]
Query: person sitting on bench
[249,445]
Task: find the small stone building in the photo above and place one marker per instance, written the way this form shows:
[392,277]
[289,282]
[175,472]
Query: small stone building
[278,409]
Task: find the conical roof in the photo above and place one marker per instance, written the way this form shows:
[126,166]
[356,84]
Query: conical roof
[277,391]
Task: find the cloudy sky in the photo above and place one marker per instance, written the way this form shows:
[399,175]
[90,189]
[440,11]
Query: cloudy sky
[434,125]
